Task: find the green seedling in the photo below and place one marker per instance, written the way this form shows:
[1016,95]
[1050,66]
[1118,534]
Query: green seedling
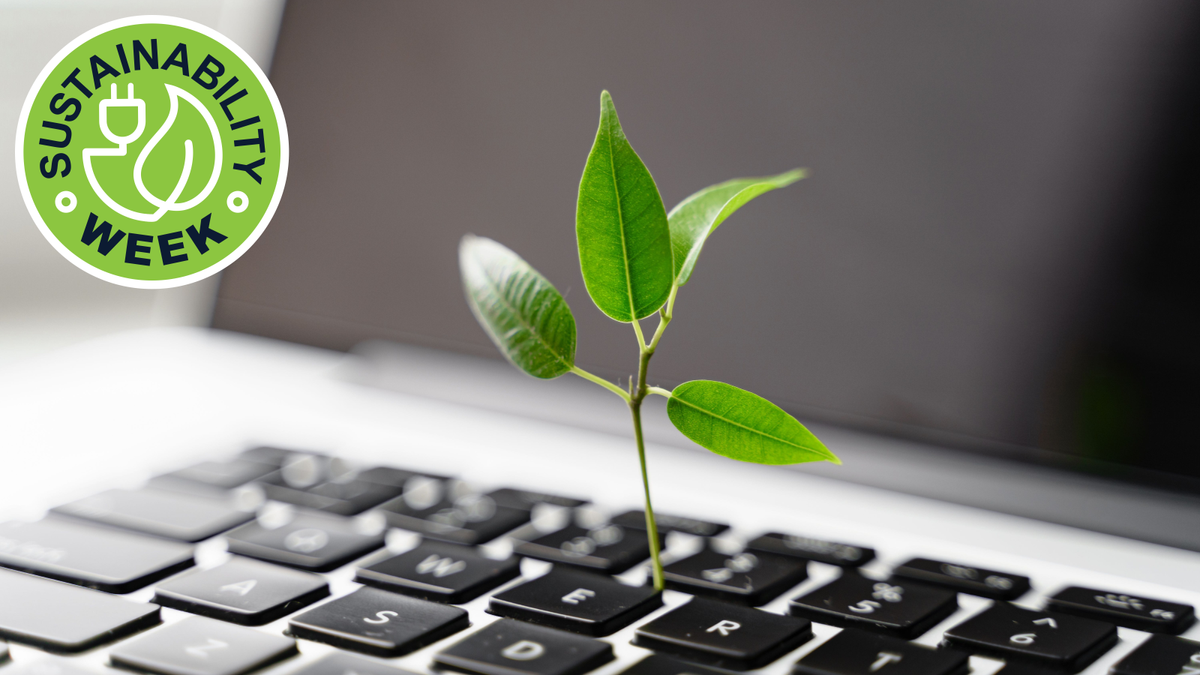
[635,257]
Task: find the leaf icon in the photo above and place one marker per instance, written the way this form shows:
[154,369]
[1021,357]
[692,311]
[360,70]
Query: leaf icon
[188,168]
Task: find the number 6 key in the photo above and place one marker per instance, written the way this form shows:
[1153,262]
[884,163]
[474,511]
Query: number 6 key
[1056,640]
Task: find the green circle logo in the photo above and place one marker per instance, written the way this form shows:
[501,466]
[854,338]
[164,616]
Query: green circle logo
[152,152]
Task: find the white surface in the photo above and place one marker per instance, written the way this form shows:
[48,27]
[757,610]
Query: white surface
[113,411]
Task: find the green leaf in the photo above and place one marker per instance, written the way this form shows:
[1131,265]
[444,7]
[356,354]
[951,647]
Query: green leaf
[523,313]
[621,225]
[741,425]
[695,218]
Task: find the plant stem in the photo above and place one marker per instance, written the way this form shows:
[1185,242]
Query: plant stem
[635,408]
[600,381]
[637,393]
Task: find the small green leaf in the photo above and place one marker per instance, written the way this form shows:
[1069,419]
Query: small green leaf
[741,425]
[523,313]
[621,225]
[693,219]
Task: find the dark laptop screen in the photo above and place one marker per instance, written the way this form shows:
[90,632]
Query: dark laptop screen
[995,250]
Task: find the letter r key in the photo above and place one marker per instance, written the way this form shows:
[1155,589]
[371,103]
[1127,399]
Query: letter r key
[724,627]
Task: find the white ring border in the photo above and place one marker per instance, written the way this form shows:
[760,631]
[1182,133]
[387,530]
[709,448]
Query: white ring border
[151,283]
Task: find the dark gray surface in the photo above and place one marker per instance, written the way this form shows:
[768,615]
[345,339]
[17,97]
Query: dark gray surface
[968,160]
[992,483]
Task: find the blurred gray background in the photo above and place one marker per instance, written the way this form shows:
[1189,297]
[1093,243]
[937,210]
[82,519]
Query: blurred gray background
[995,250]
[980,176]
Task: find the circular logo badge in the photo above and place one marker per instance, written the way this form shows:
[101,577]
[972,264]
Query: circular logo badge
[152,152]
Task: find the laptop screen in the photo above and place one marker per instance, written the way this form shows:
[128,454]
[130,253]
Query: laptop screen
[994,250]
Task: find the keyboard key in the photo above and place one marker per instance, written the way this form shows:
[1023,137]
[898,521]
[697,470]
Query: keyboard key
[657,664]
[310,541]
[508,647]
[971,580]
[97,557]
[242,591]
[1152,616]
[271,456]
[378,622]
[1161,655]
[4,653]
[464,519]
[746,578]
[609,548]
[668,523]
[202,646]
[855,652]
[807,548]
[345,663]
[853,601]
[526,499]
[1041,638]
[387,475]
[441,572]
[61,618]
[727,636]
[345,498]
[217,475]
[172,515]
[581,602]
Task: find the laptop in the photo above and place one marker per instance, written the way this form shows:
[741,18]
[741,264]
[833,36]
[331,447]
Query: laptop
[340,475]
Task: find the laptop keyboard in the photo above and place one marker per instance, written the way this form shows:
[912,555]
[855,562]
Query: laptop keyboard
[285,562]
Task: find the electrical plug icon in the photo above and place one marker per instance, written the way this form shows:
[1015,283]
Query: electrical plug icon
[129,102]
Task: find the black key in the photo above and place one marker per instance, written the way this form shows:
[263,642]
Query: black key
[853,601]
[97,557]
[972,580]
[465,519]
[387,475]
[202,646]
[218,475]
[378,622]
[345,663]
[62,618]
[440,572]
[668,523]
[242,591]
[172,515]
[508,647]
[4,653]
[1161,655]
[345,498]
[1152,616]
[526,499]
[581,602]
[727,636]
[274,456]
[855,652]
[657,664]
[817,550]
[310,541]
[1042,638]
[609,548]
[746,578]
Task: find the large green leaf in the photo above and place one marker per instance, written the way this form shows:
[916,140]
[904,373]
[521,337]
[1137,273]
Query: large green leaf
[741,425]
[621,225]
[697,216]
[524,315]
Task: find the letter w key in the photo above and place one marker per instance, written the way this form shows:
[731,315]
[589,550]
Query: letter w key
[439,566]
